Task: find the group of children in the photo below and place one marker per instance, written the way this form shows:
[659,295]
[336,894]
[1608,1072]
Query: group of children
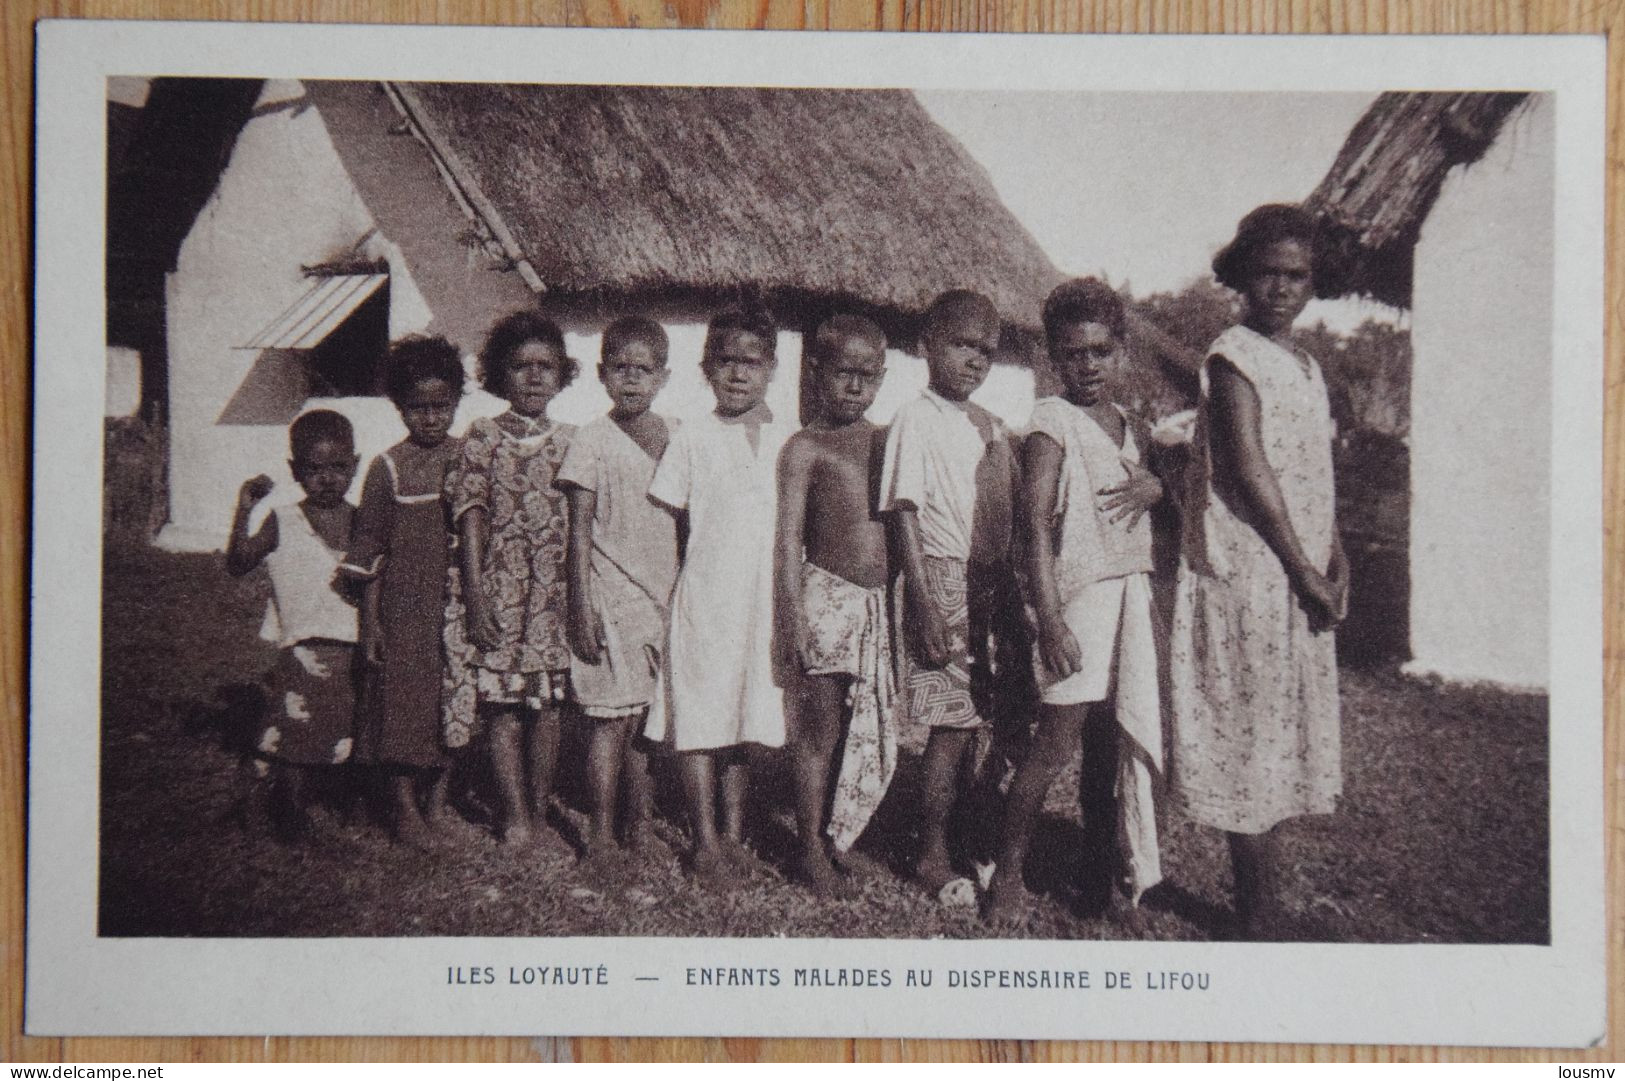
[688,590]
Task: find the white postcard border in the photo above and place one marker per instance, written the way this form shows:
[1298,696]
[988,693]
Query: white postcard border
[80,984]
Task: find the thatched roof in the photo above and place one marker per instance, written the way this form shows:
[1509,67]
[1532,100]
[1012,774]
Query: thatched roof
[1385,180]
[849,194]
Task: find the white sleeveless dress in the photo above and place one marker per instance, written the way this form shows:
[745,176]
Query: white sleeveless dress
[1254,688]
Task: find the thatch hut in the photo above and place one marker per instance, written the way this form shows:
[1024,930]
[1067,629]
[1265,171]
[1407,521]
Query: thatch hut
[344,215]
[1443,203]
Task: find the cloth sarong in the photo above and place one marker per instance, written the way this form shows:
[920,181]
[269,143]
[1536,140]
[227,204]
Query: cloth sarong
[944,697]
[846,634]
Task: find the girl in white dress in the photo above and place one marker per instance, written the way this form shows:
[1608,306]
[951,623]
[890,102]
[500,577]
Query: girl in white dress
[1262,579]
[719,689]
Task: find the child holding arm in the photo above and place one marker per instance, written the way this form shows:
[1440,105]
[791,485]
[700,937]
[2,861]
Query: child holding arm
[1088,555]
[312,690]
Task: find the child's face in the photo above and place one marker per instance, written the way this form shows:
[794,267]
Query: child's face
[427,410]
[633,375]
[848,382]
[1279,285]
[533,376]
[1083,354]
[325,471]
[959,353]
[738,370]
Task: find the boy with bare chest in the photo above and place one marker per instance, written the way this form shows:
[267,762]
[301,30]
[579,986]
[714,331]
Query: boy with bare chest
[831,575]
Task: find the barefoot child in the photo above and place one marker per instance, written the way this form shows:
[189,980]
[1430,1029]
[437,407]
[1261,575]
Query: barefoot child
[402,551]
[947,481]
[718,686]
[1088,553]
[507,659]
[623,562]
[312,690]
[832,577]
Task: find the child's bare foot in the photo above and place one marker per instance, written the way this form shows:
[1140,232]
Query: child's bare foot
[933,871]
[518,832]
[1007,902]
[639,836]
[738,853]
[819,875]
[413,832]
[709,866]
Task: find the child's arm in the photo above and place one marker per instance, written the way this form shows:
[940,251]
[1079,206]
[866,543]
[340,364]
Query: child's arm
[474,534]
[929,629]
[1041,461]
[364,561]
[1238,433]
[244,552]
[468,489]
[902,487]
[372,639]
[795,469]
[586,628]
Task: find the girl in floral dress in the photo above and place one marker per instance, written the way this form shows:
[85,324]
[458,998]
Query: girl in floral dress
[507,657]
[1262,579]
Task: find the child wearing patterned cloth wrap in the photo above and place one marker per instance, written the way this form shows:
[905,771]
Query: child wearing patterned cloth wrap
[832,573]
[947,483]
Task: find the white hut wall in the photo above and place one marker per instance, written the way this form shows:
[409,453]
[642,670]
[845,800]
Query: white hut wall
[1481,415]
[283,202]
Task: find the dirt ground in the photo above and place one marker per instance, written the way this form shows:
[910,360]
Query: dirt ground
[1441,835]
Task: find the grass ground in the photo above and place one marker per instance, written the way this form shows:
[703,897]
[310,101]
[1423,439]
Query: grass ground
[1441,836]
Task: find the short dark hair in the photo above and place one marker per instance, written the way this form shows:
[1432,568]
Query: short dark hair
[749,320]
[513,331]
[313,427]
[838,329]
[958,304]
[634,328]
[1084,300]
[418,357]
[1262,227]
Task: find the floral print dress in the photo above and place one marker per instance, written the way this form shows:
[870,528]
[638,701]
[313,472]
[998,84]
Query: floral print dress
[1254,685]
[508,466]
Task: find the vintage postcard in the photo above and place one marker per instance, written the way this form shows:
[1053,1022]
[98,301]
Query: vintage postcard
[621,532]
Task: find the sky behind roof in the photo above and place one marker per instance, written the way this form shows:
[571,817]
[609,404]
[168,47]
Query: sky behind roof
[1145,187]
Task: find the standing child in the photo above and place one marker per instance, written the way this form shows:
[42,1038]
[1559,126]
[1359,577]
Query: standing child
[1262,579]
[402,552]
[947,481]
[312,690]
[832,578]
[1088,556]
[623,562]
[719,690]
[507,658]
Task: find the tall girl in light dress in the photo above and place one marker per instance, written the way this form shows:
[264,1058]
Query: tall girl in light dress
[1263,579]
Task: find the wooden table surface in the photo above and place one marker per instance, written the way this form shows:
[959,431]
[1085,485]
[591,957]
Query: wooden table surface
[1110,16]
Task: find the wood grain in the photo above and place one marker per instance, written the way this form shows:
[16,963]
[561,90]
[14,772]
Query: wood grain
[1107,16]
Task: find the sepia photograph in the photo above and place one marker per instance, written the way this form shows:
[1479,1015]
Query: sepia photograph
[576,510]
